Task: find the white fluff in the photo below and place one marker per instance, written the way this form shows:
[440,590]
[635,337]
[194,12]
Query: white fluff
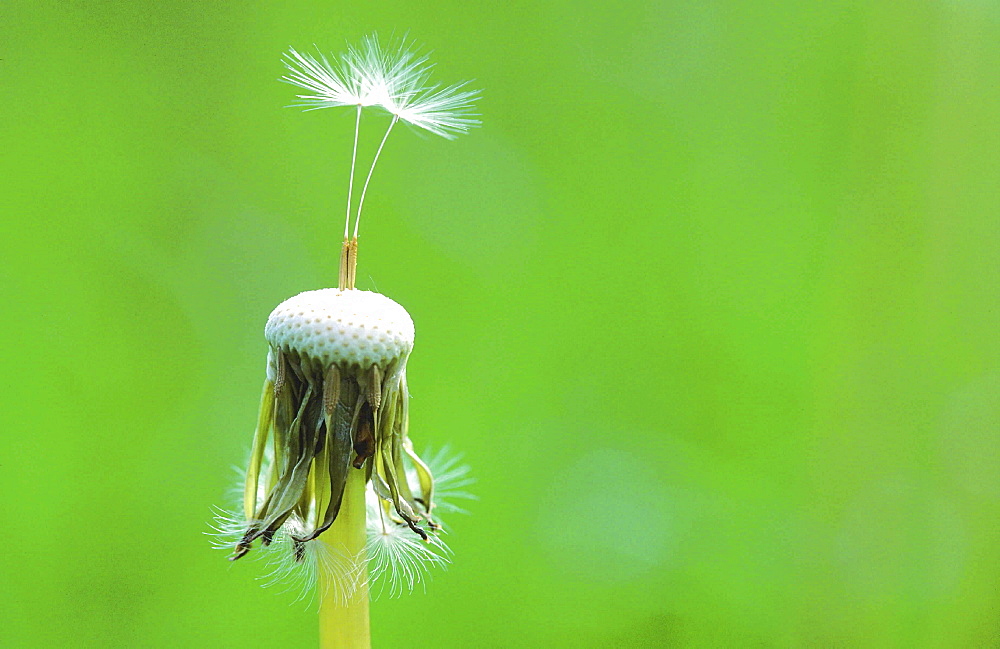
[392,77]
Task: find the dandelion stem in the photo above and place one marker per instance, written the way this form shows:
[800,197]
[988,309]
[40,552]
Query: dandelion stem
[395,118]
[343,621]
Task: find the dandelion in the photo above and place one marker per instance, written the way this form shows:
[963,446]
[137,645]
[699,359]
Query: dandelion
[334,491]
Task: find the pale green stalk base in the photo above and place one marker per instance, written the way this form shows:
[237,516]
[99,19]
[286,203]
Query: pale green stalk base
[346,626]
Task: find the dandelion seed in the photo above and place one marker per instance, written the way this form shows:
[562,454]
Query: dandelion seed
[296,567]
[393,78]
[398,559]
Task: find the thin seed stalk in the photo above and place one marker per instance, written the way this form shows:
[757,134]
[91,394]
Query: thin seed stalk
[344,270]
[343,623]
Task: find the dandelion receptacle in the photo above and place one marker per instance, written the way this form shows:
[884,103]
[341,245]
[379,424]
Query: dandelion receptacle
[334,492]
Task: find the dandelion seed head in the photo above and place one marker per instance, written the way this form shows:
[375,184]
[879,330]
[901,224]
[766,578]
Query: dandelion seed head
[334,424]
[357,328]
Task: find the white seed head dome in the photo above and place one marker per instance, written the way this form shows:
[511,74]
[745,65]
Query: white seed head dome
[342,327]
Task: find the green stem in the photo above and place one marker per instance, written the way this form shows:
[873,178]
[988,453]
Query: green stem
[343,622]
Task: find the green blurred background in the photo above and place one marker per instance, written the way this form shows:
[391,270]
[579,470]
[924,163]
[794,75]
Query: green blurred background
[709,304]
